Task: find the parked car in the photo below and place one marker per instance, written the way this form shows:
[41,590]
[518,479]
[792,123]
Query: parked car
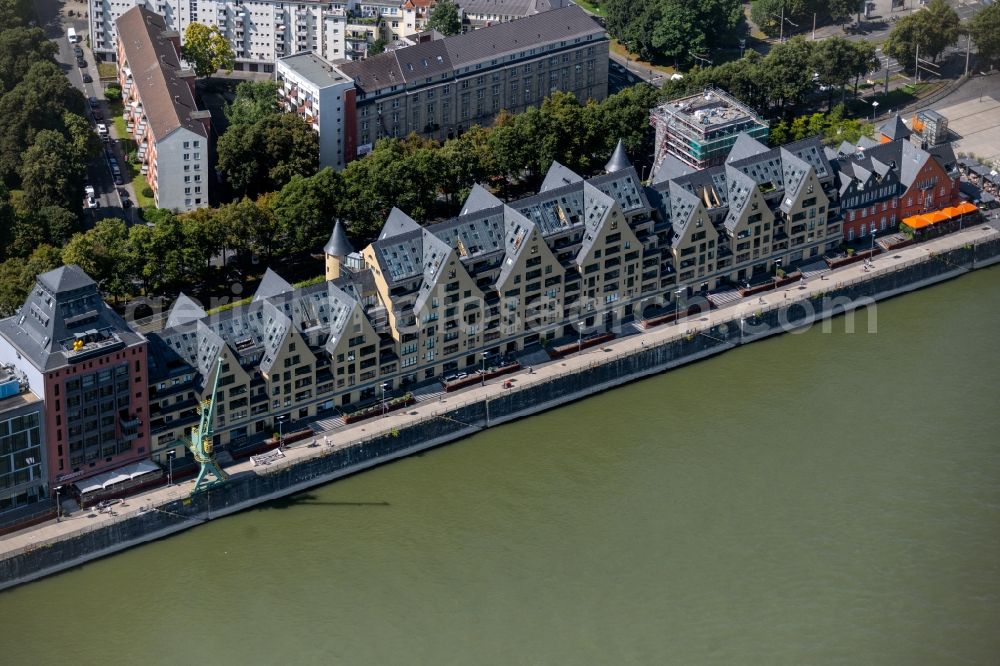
[123,193]
[92,202]
[77,51]
[118,179]
[92,101]
[81,63]
[88,190]
[98,116]
[87,78]
[102,129]
[108,153]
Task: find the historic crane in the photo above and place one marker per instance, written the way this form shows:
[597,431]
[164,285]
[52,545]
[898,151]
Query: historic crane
[201,440]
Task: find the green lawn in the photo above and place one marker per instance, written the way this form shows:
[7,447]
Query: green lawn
[107,70]
[139,183]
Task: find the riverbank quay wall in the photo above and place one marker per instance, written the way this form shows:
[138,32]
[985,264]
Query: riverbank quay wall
[692,341]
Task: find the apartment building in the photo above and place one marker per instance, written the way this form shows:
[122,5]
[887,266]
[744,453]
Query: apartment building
[171,133]
[699,130]
[440,88]
[88,369]
[23,472]
[319,93]
[262,31]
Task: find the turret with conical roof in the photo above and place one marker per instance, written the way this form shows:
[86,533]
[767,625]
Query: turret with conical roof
[336,250]
[619,159]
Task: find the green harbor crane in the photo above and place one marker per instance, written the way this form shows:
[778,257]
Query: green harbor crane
[201,440]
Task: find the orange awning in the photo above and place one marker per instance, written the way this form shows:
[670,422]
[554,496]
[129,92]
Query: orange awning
[936,216]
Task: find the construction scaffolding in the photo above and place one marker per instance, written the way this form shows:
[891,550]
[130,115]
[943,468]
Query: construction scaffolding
[700,129]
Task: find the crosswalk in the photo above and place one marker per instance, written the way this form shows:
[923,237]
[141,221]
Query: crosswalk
[813,269]
[724,297]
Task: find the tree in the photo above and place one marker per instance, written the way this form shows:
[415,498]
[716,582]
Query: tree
[787,71]
[305,208]
[102,253]
[263,156]
[984,28]
[836,60]
[83,141]
[36,227]
[930,30]
[38,102]
[445,18]
[207,49]
[672,28]
[20,48]
[17,276]
[841,10]
[376,47]
[767,14]
[51,172]
[249,226]
[255,100]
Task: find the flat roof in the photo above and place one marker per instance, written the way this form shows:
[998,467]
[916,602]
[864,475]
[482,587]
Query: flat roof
[708,109]
[314,69]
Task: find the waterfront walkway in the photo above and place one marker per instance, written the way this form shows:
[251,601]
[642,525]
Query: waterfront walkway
[340,436]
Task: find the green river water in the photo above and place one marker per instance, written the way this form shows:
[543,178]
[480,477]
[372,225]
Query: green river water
[823,498]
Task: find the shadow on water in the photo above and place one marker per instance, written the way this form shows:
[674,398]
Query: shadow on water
[309,499]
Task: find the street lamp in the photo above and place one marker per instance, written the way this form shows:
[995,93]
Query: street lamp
[170,466]
[874,108]
[58,489]
[580,324]
[281,424]
[384,384]
[482,377]
[677,304]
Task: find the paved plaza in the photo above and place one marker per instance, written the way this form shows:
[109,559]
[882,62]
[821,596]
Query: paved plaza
[973,115]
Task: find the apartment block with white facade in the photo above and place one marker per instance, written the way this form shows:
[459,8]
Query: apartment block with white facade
[262,31]
[171,133]
[318,93]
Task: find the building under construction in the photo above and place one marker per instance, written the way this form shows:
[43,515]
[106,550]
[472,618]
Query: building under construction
[700,129]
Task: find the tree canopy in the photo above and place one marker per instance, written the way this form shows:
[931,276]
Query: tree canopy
[672,29]
[254,101]
[445,18]
[264,155]
[207,49]
[932,30]
[984,28]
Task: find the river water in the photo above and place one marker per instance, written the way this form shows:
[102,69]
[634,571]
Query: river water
[821,498]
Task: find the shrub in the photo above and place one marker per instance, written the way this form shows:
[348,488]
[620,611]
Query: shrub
[147,192]
[113,93]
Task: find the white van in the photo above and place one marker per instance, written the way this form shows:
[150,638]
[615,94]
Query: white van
[72,36]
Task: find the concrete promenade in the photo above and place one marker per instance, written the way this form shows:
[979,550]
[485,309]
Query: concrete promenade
[346,436]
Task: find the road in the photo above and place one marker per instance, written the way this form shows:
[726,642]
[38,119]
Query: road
[53,16]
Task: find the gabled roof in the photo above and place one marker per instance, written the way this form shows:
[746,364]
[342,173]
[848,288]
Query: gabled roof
[795,172]
[558,176]
[184,310]
[338,245]
[741,189]
[624,187]
[619,159]
[518,230]
[151,55]
[596,207]
[670,168]
[745,146]
[479,198]
[682,207]
[435,256]
[397,223]
[270,285]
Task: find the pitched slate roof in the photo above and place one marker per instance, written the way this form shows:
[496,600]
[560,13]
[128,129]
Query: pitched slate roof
[338,245]
[434,59]
[745,146]
[271,284]
[518,229]
[397,223]
[479,198]
[64,306]
[558,176]
[895,128]
[619,159]
[185,309]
